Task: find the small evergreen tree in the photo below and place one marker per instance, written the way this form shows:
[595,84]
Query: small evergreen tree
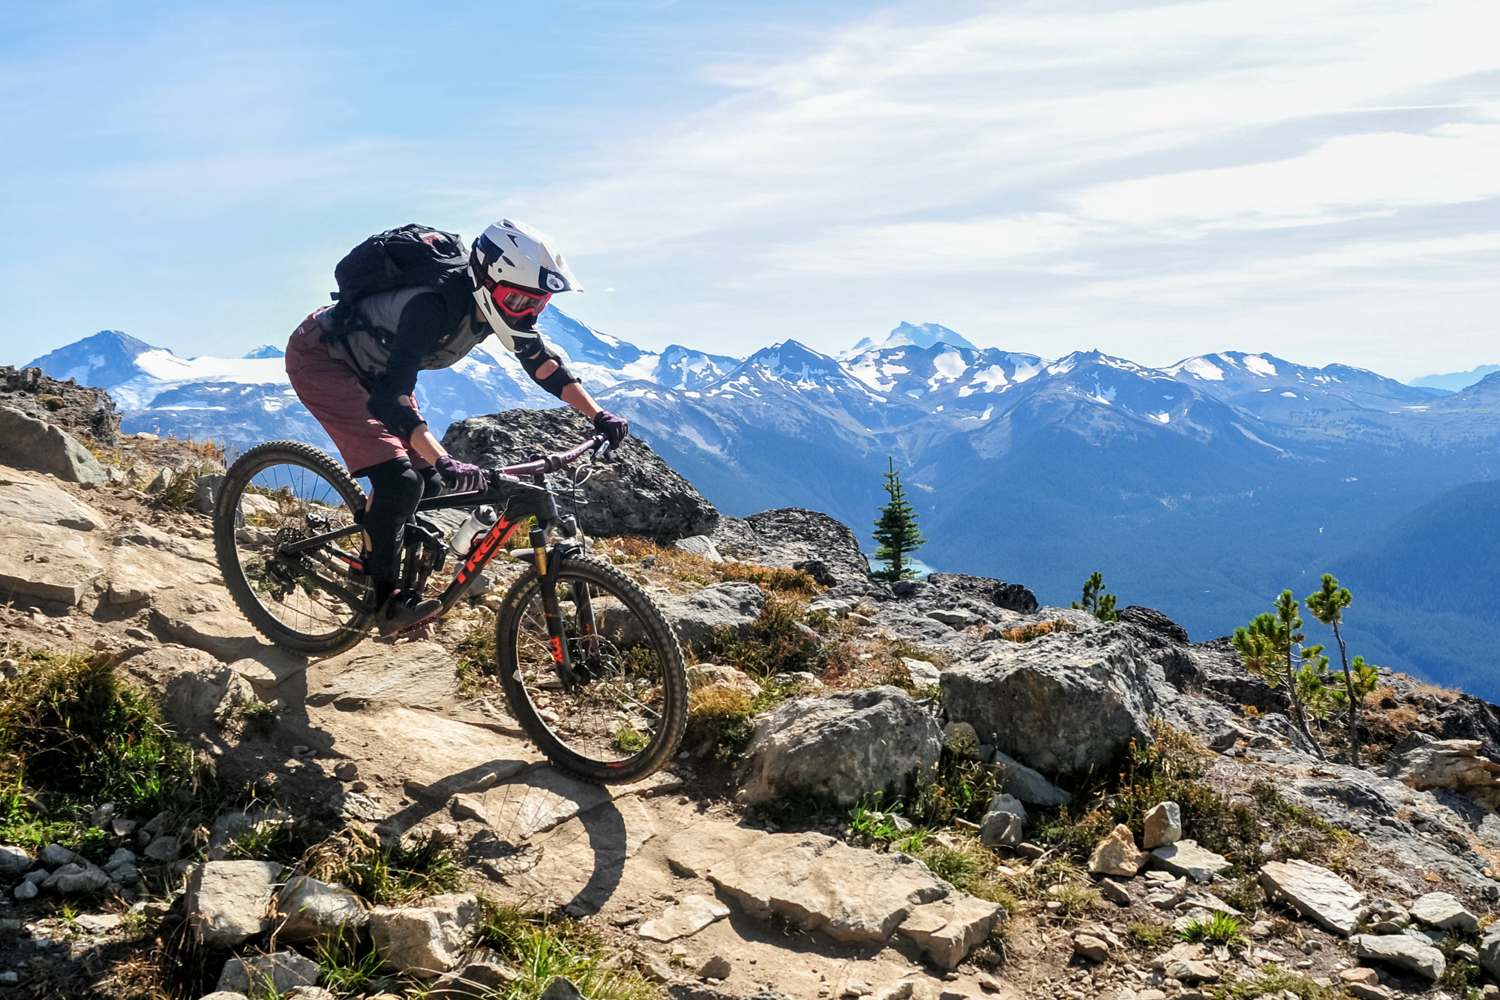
[1266,646]
[896,531]
[1327,606]
[1095,601]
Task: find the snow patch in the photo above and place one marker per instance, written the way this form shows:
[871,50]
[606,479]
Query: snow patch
[1259,365]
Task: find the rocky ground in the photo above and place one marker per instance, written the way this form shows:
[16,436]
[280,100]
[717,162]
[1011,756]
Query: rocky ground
[934,789]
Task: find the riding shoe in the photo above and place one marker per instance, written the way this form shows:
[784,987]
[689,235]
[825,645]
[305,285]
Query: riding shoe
[403,610]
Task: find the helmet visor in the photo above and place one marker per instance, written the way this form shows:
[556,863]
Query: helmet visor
[517,302]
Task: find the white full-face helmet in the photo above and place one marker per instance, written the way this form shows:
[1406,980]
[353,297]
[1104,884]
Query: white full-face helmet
[515,273]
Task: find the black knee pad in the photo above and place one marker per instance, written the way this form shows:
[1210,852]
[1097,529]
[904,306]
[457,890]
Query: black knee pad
[397,489]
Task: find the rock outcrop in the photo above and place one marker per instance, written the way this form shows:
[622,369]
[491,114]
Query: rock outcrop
[29,443]
[81,411]
[634,493]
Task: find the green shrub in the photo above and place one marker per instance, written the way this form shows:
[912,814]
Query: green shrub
[775,644]
[73,735]
[541,947]
[1219,928]
[1149,935]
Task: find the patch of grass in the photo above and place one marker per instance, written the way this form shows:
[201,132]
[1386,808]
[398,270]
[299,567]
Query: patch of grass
[1219,928]
[628,739]
[869,824]
[541,947]
[180,493]
[1076,898]
[285,842]
[959,787]
[960,861]
[1149,935]
[351,965]
[776,643]
[73,735]
[397,873]
[251,718]
[1273,981]
[1026,633]
[720,718]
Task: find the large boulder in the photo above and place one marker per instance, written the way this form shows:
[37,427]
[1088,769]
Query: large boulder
[842,746]
[45,561]
[33,499]
[636,493]
[1404,951]
[29,443]
[1067,702]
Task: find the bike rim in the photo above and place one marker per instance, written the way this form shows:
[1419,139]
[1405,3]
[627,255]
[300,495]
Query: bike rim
[618,711]
[283,501]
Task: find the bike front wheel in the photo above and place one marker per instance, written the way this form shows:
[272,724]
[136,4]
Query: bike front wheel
[620,714]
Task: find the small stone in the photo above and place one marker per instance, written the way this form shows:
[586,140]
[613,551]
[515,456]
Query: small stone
[1404,951]
[25,890]
[1116,854]
[688,917]
[9,978]
[1361,974]
[1443,911]
[717,967]
[282,971]
[13,860]
[1185,857]
[1163,826]
[122,827]
[561,989]
[659,972]
[1114,892]
[346,770]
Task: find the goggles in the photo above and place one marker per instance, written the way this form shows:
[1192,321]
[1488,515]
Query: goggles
[517,302]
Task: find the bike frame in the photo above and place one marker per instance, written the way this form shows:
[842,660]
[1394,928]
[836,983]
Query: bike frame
[536,501]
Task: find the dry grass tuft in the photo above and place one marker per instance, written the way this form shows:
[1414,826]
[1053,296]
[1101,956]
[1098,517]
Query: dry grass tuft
[1026,633]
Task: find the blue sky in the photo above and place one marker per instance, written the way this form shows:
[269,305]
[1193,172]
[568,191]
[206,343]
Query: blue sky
[1317,179]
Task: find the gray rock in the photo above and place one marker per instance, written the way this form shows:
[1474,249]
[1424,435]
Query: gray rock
[1489,951]
[1455,764]
[25,890]
[561,988]
[423,676]
[922,673]
[56,854]
[225,995]
[717,967]
[76,880]
[282,971]
[636,493]
[1116,854]
[809,540]
[1008,596]
[696,616]
[1315,892]
[13,860]
[313,909]
[843,746]
[35,500]
[683,919]
[955,617]
[29,443]
[1443,911]
[701,546]
[230,901]
[1163,825]
[1185,857]
[483,975]
[85,412]
[1001,829]
[1066,702]
[1403,951]
[206,493]
[1026,784]
[426,940]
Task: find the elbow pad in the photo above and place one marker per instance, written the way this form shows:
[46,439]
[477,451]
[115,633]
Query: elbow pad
[533,353]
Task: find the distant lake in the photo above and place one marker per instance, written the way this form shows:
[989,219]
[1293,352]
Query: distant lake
[922,568]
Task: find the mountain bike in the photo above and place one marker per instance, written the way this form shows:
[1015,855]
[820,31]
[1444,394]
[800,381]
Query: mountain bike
[591,668]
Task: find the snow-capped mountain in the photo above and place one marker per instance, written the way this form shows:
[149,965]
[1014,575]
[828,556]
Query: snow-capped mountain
[1204,486]
[912,335]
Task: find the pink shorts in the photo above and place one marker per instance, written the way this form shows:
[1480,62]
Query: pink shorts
[331,391]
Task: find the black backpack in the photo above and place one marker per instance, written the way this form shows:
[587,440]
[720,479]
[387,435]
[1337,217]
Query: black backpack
[400,258]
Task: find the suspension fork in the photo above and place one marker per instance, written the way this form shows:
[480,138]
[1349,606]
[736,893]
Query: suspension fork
[548,566]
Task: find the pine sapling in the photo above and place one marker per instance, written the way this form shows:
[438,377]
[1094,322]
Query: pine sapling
[896,531]
[1327,606]
[1095,601]
[1266,648]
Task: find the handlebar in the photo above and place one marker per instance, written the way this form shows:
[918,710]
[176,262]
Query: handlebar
[551,463]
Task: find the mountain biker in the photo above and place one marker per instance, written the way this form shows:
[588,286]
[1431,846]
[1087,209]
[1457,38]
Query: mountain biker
[359,383]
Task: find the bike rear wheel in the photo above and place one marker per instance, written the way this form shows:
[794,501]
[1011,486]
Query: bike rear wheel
[275,494]
[626,718]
